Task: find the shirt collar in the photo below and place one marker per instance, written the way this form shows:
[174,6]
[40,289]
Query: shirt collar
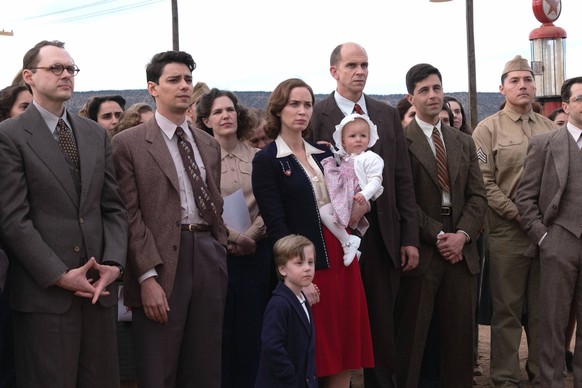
[169,128]
[347,106]
[283,149]
[50,119]
[238,152]
[574,131]
[427,128]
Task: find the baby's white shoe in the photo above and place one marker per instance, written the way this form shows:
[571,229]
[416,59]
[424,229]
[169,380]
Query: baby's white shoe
[351,249]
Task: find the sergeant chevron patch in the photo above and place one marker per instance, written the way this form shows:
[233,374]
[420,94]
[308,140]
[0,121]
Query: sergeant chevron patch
[482,155]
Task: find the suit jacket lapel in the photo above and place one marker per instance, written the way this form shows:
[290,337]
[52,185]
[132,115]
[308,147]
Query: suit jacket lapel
[560,149]
[42,142]
[451,139]
[420,148]
[85,143]
[292,298]
[159,151]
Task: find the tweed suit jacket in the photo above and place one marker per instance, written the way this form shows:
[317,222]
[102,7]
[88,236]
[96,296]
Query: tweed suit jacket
[44,222]
[149,186]
[544,178]
[469,202]
[396,207]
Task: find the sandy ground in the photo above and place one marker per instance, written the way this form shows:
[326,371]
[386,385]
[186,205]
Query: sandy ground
[482,381]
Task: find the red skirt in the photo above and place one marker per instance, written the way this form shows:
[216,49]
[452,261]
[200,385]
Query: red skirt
[342,328]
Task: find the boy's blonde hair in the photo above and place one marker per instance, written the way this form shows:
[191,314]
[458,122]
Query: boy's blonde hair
[287,248]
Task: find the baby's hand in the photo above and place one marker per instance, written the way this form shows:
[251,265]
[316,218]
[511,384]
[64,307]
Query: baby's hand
[359,198]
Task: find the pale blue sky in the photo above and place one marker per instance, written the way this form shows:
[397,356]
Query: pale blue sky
[255,44]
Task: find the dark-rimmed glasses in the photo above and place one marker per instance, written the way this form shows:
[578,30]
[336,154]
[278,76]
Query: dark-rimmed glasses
[58,69]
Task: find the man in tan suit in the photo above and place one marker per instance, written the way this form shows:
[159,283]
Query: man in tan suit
[548,199]
[451,204]
[176,277]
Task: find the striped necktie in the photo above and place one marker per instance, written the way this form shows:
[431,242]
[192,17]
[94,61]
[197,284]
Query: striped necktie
[441,159]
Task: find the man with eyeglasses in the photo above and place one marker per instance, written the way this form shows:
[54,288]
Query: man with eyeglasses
[65,228]
[501,141]
[548,198]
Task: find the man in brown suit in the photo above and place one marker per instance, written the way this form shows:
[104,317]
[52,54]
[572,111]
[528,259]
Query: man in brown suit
[390,244]
[548,199]
[176,277]
[451,204]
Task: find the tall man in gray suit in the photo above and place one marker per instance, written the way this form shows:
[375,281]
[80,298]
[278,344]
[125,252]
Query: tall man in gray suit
[64,226]
[390,245]
[548,199]
[169,176]
[451,203]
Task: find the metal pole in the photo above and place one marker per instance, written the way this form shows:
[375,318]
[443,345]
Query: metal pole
[175,31]
[471,65]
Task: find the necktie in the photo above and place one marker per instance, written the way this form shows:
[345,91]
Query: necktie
[206,207]
[358,109]
[67,141]
[441,159]
[525,125]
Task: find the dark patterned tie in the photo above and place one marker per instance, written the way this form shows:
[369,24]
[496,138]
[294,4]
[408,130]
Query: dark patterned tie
[441,159]
[358,109]
[67,141]
[206,207]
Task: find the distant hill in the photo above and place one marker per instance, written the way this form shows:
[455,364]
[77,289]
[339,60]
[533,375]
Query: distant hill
[488,103]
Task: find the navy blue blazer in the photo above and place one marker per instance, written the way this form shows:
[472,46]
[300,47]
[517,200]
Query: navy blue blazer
[286,198]
[288,343]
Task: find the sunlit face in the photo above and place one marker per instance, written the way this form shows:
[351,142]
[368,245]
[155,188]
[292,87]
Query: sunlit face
[455,107]
[296,114]
[48,88]
[519,89]
[223,117]
[356,137]
[23,100]
[298,272]
[561,119]
[428,99]
[444,117]
[574,107]
[259,138]
[351,72]
[410,113]
[173,92]
[109,114]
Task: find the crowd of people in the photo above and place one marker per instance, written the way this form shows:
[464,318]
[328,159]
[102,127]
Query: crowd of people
[285,246]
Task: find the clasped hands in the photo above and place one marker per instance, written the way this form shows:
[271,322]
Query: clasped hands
[450,246]
[76,280]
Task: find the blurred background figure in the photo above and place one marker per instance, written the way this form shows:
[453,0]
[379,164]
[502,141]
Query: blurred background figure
[134,115]
[256,136]
[559,117]
[13,101]
[446,116]
[250,261]
[406,111]
[105,110]
[460,119]
[198,91]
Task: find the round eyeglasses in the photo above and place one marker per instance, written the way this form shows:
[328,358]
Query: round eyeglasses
[58,69]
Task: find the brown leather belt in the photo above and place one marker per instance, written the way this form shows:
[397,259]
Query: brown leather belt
[195,227]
